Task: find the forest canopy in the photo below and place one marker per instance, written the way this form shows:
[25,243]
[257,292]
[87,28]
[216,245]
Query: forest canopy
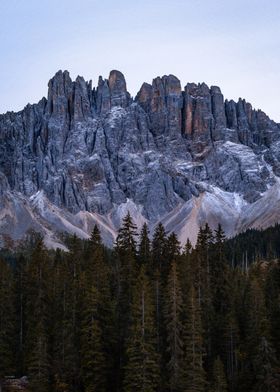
[145,316]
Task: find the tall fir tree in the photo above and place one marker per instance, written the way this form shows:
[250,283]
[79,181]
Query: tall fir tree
[37,316]
[219,382]
[159,247]
[256,325]
[202,273]
[221,297]
[266,368]
[7,321]
[142,371]
[144,249]
[93,360]
[193,345]
[20,280]
[125,272]
[272,295]
[67,324]
[97,318]
[173,314]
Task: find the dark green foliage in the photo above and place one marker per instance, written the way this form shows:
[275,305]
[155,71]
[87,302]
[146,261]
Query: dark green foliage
[7,320]
[142,371]
[147,316]
[93,362]
[37,316]
[158,248]
[144,252]
[194,373]
[254,245]
[173,315]
[219,383]
[266,374]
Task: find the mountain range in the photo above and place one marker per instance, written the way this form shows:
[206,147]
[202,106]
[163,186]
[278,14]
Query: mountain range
[182,156]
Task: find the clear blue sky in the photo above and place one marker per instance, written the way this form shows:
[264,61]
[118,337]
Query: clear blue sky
[232,44]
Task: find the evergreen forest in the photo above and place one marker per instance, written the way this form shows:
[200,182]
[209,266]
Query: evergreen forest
[145,316]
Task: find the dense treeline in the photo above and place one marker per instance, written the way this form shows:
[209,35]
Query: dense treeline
[147,316]
[254,245]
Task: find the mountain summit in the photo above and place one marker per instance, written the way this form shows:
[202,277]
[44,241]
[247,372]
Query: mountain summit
[181,156]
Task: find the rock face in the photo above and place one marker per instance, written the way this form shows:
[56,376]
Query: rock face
[94,153]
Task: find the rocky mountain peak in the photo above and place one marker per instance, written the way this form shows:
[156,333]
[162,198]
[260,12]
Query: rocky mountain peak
[60,94]
[95,153]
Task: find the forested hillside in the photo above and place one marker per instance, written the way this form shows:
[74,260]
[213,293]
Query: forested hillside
[146,316]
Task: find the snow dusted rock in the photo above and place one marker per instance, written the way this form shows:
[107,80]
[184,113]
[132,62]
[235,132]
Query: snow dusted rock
[88,155]
[213,206]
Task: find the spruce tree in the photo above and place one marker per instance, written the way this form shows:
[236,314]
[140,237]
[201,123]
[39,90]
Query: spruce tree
[93,360]
[7,321]
[266,368]
[144,251]
[219,383]
[97,317]
[221,297]
[142,371]
[61,315]
[187,248]
[20,279]
[125,249]
[202,273]
[67,316]
[159,248]
[256,326]
[172,253]
[125,272]
[159,261]
[193,370]
[272,295]
[37,315]
[173,247]
[173,314]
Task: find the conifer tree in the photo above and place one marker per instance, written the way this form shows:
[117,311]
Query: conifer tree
[37,313]
[256,326]
[159,261]
[221,294]
[19,306]
[61,316]
[193,370]
[219,239]
[73,308]
[219,383]
[97,317]
[186,268]
[141,371]
[159,247]
[202,273]
[144,252]
[126,239]
[266,368]
[172,253]
[7,321]
[125,271]
[173,312]
[173,247]
[187,248]
[219,274]
[67,322]
[272,295]
[93,360]
[125,249]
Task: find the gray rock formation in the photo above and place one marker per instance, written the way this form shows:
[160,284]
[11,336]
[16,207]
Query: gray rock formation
[93,153]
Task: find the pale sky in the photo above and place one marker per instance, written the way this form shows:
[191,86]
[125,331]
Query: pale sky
[232,44]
